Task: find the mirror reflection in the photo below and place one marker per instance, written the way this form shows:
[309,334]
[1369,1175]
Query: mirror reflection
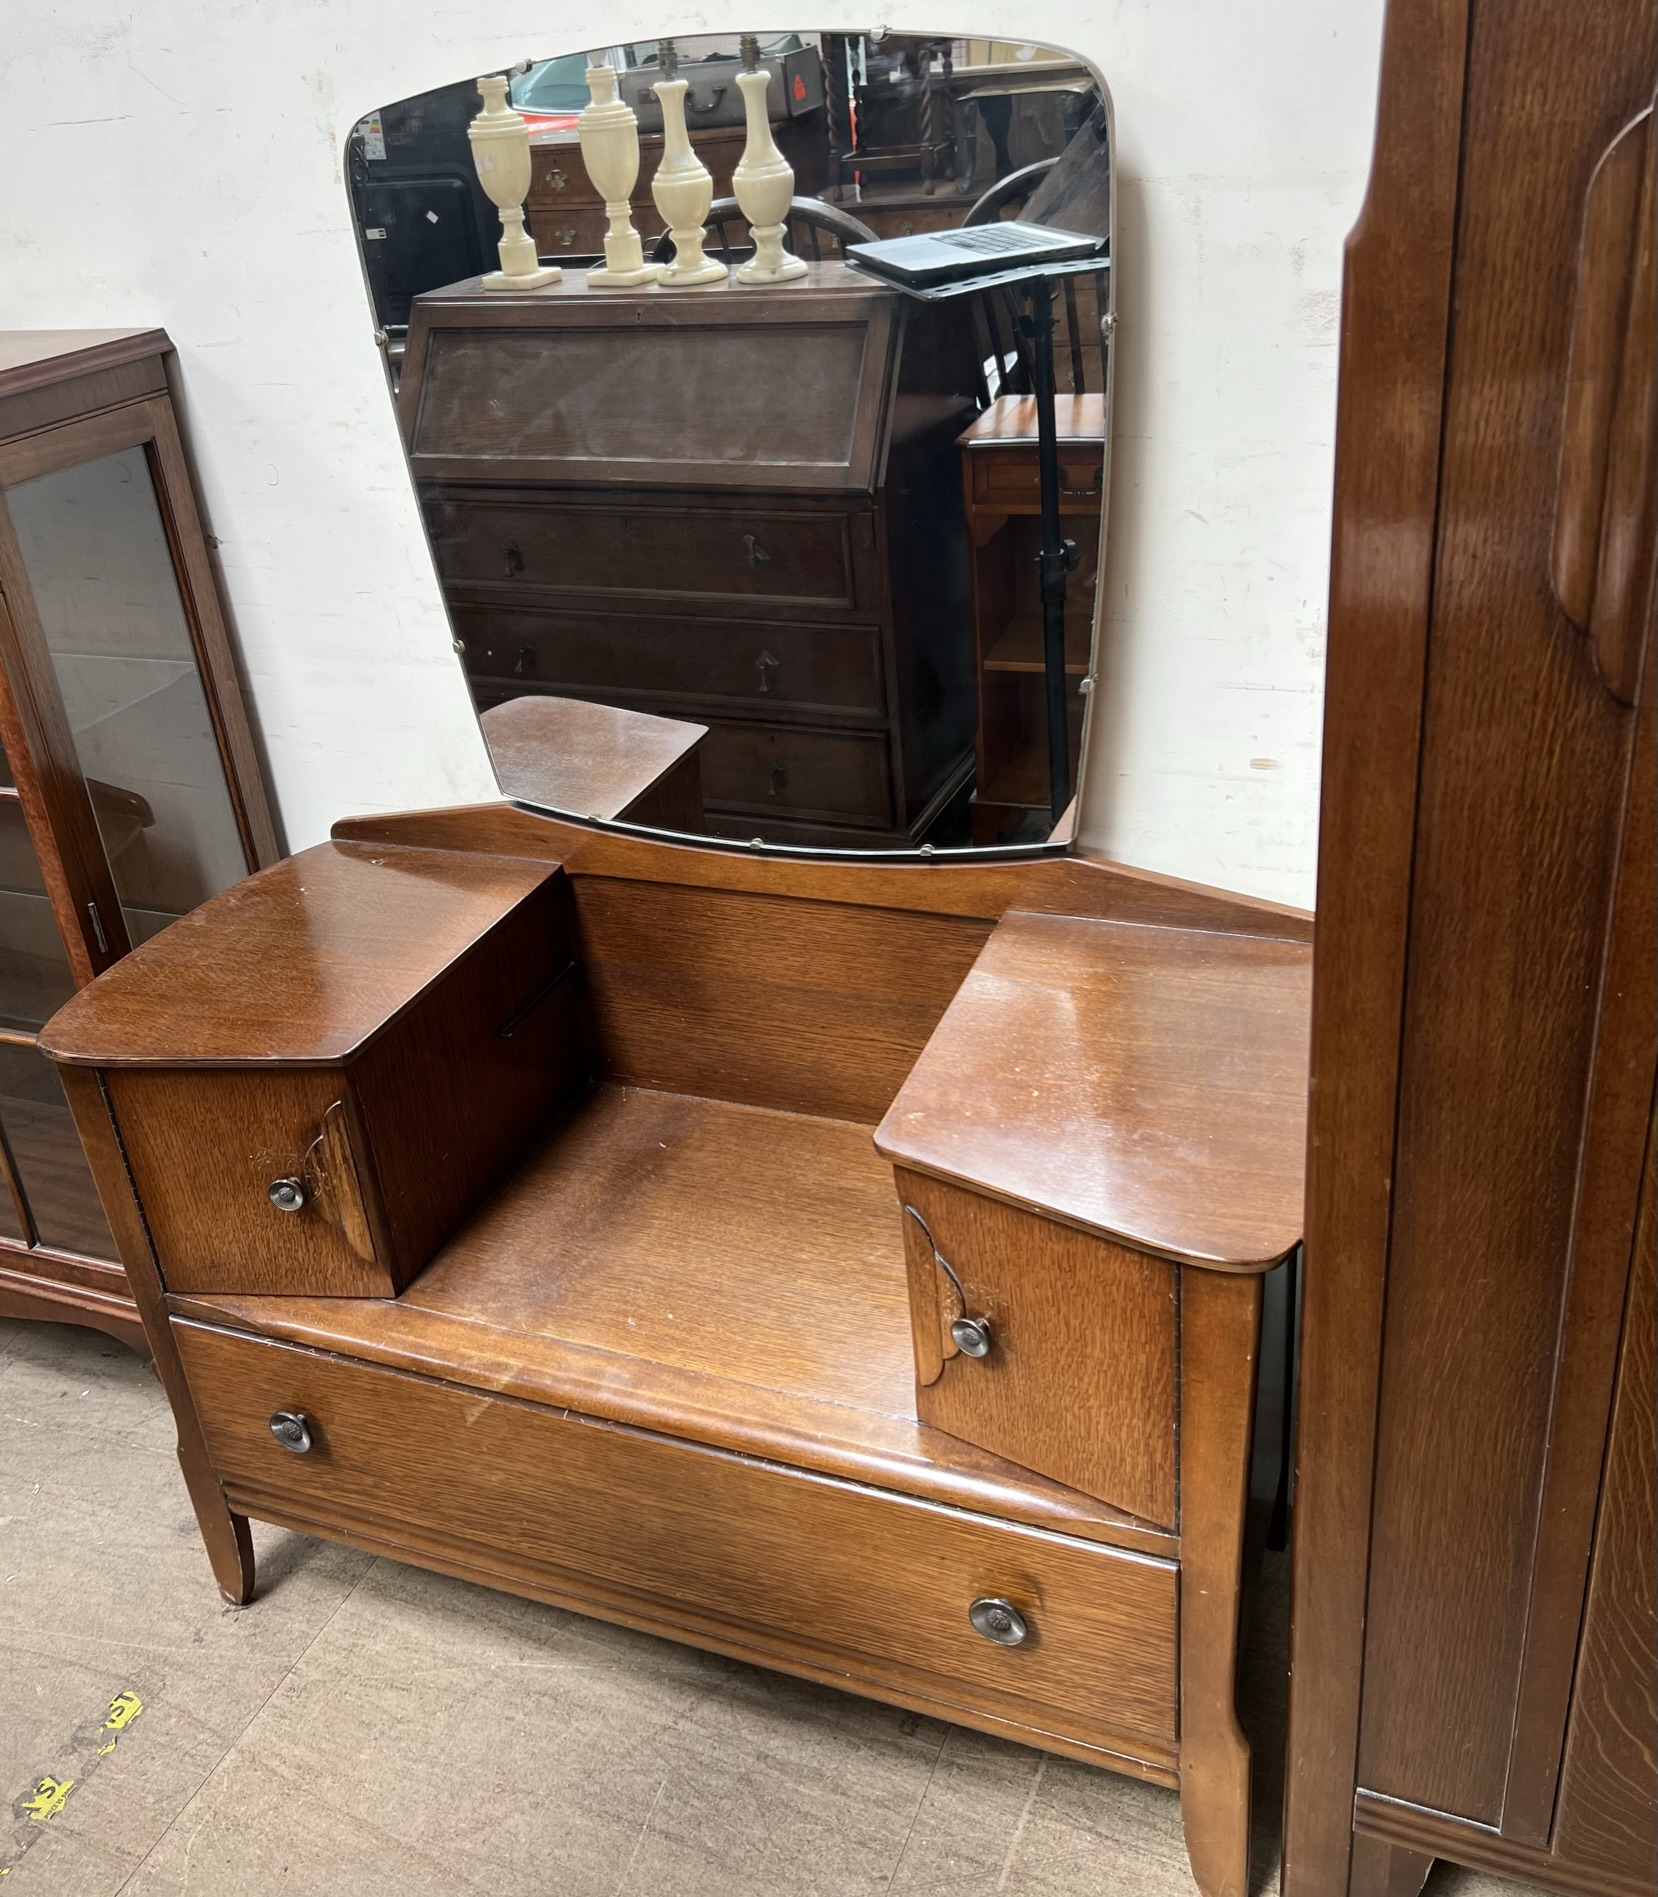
[727,370]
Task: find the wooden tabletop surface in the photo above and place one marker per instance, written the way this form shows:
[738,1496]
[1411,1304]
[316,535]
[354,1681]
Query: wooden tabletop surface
[1145,1084]
[304,961]
[591,760]
[1010,421]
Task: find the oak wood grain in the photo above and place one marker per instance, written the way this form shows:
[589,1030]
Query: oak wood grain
[1076,884]
[1608,1814]
[873,1579]
[1220,1337]
[307,961]
[1146,1085]
[812,1007]
[224,1531]
[1080,1381]
[597,760]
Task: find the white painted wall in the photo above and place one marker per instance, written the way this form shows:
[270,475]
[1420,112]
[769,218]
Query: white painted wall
[179,163]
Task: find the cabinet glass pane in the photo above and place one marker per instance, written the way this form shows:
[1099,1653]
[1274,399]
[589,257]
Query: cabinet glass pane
[47,1152]
[34,971]
[102,576]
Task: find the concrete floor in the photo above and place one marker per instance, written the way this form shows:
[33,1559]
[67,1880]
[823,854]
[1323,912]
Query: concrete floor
[366,1728]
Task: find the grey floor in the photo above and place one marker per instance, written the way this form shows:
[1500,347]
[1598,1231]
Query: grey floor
[365,1728]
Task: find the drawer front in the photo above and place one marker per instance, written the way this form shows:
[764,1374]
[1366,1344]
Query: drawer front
[679,664]
[205,1147]
[810,776]
[708,1542]
[1013,475]
[1078,1383]
[684,553]
[567,230]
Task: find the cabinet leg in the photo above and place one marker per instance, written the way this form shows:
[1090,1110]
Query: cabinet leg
[225,1533]
[1220,1330]
[1386,1870]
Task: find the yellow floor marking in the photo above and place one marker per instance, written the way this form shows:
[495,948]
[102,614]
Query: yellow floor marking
[48,1799]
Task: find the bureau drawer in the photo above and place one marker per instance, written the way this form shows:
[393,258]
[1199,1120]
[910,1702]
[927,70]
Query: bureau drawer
[668,554]
[801,1567]
[781,771]
[1013,475]
[1078,1383]
[754,663]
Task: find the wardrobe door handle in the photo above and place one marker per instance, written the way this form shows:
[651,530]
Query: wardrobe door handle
[1604,504]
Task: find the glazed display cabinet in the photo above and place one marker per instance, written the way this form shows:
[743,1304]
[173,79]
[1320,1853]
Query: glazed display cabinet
[131,787]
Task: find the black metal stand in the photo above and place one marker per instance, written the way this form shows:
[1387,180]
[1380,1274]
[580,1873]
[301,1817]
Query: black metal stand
[1058,555]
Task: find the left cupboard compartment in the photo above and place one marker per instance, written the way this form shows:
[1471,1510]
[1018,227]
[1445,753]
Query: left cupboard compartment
[132,789]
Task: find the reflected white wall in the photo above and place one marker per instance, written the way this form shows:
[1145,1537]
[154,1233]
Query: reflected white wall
[181,165]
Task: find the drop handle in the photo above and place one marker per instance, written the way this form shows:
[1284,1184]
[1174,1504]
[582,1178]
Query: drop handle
[757,555]
[779,775]
[970,1334]
[292,1429]
[525,662]
[999,1621]
[768,668]
[515,559]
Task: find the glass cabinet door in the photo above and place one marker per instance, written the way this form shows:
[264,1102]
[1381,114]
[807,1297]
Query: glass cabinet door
[126,798]
[107,598]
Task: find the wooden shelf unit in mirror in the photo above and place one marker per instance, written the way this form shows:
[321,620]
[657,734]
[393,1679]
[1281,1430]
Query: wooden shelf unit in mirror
[734,505]
[132,790]
[650,1348]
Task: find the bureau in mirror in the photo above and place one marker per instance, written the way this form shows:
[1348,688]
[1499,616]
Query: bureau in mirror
[747,544]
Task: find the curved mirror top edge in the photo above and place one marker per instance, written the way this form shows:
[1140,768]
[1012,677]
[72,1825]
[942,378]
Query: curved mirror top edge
[756,392]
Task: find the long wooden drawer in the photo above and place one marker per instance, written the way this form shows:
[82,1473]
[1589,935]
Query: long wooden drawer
[1014,475]
[688,665]
[826,776]
[790,1564]
[665,553]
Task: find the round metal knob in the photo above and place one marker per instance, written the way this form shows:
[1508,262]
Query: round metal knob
[971,1336]
[998,1620]
[287,1195]
[292,1430]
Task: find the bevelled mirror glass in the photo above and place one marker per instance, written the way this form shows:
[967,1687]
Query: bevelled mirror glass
[756,393]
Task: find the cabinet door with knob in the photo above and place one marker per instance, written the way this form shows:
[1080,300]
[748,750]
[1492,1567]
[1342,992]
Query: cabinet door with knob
[132,789]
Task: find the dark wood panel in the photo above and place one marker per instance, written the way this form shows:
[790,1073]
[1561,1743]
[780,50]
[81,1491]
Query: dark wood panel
[810,776]
[1079,1381]
[1418,1831]
[875,1579]
[760,667]
[1608,1814]
[809,1007]
[656,553]
[1525,759]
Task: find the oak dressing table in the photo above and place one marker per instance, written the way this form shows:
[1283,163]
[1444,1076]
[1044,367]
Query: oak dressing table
[506,1195]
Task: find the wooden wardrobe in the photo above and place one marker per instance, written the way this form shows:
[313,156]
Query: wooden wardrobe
[1473,1651]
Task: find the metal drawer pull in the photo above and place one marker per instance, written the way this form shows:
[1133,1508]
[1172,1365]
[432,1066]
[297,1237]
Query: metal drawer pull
[969,1334]
[525,662]
[768,667]
[287,1195]
[998,1620]
[757,555]
[515,558]
[292,1428]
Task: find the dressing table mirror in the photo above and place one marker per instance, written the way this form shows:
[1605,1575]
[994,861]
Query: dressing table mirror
[698,1190]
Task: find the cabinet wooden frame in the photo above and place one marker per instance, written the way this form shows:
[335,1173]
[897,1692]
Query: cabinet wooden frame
[68,398]
[1492,548]
[748,1021]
